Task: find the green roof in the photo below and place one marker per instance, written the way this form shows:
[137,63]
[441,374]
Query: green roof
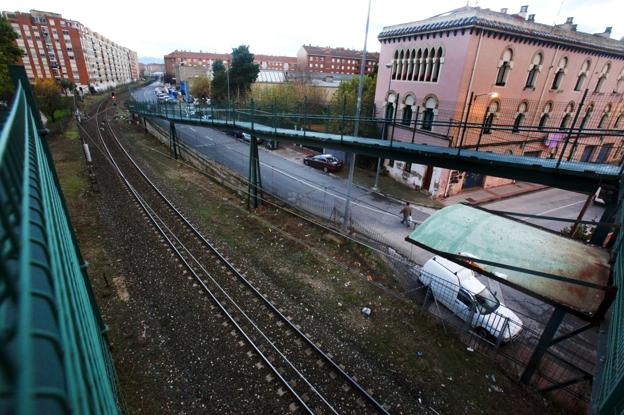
[495,238]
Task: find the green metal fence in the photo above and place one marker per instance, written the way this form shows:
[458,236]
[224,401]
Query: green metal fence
[608,395]
[54,358]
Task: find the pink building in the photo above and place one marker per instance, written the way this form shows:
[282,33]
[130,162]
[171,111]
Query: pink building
[520,73]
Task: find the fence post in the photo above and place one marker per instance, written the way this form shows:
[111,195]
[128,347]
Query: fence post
[544,343]
[305,117]
[253,113]
[565,144]
[344,107]
[463,133]
[415,123]
[396,111]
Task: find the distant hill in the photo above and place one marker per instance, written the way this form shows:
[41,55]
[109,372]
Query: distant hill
[150,59]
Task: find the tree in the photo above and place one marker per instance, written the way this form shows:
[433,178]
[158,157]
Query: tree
[243,71]
[48,94]
[219,81]
[9,54]
[344,99]
[200,87]
[66,84]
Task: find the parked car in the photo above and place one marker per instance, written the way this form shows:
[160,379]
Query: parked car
[325,162]
[247,138]
[234,133]
[458,289]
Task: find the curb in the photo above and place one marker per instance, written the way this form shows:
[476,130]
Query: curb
[507,196]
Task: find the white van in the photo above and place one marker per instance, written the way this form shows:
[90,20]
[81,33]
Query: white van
[458,289]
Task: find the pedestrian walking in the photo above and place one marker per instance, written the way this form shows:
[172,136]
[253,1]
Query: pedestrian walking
[407,214]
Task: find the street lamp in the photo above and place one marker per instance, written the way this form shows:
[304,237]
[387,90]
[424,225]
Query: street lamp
[383,131]
[473,98]
[356,127]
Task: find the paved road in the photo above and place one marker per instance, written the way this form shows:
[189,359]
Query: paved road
[549,202]
[319,193]
[309,188]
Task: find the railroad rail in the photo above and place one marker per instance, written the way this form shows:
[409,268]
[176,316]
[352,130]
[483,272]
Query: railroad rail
[317,383]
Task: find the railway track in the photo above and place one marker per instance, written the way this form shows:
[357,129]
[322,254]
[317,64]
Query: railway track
[316,382]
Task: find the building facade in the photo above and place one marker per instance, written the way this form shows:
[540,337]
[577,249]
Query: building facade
[59,48]
[205,60]
[334,60]
[517,71]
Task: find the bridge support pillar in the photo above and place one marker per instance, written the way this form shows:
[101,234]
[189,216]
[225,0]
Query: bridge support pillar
[254,191]
[173,140]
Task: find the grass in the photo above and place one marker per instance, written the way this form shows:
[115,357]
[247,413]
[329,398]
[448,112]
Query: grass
[388,186]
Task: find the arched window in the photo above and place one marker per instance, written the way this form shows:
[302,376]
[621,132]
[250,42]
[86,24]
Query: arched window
[567,117]
[520,115]
[619,121]
[489,117]
[425,63]
[399,73]
[619,86]
[545,116]
[605,117]
[533,70]
[406,65]
[430,64]
[504,68]
[602,78]
[587,116]
[430,109]
[395,63]
[580,81]
[418,64]
[439,59]
[390,105]
[561,69]
[410,70]
[406,118]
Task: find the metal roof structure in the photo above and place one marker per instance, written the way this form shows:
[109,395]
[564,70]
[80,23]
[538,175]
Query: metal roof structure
[271,77]
[563,270]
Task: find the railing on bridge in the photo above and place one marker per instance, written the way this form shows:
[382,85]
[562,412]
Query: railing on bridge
[608,396]
[54,358]
[582,142]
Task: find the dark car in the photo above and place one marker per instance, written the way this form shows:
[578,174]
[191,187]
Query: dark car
[325,162]
[234,133]
[246,137]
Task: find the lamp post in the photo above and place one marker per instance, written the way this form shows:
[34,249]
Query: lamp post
[356,127]
[473,98]
[383,131]
[227,74]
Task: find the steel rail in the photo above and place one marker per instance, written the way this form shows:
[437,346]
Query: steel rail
[378,406]
[154,222]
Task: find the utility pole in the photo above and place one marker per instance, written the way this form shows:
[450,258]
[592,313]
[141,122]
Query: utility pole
[356,128]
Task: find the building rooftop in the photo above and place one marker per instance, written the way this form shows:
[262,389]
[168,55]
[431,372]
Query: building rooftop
[468,17]
[339,52]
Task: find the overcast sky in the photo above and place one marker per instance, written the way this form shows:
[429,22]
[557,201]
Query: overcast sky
[280,27]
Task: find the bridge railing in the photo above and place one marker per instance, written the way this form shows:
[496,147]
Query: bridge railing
[576,146]
[54,358]
[608,394]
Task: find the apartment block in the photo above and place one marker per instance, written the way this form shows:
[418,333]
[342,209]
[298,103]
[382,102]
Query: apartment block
[59,48]
[334,60]
[205,60]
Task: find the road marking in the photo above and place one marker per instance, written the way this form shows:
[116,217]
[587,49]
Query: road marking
[560,207]
[193,129]
[324,190]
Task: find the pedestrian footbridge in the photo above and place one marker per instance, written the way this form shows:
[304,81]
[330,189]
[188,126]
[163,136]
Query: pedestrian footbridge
[557,172]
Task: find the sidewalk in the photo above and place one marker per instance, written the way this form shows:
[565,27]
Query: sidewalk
[479,196]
